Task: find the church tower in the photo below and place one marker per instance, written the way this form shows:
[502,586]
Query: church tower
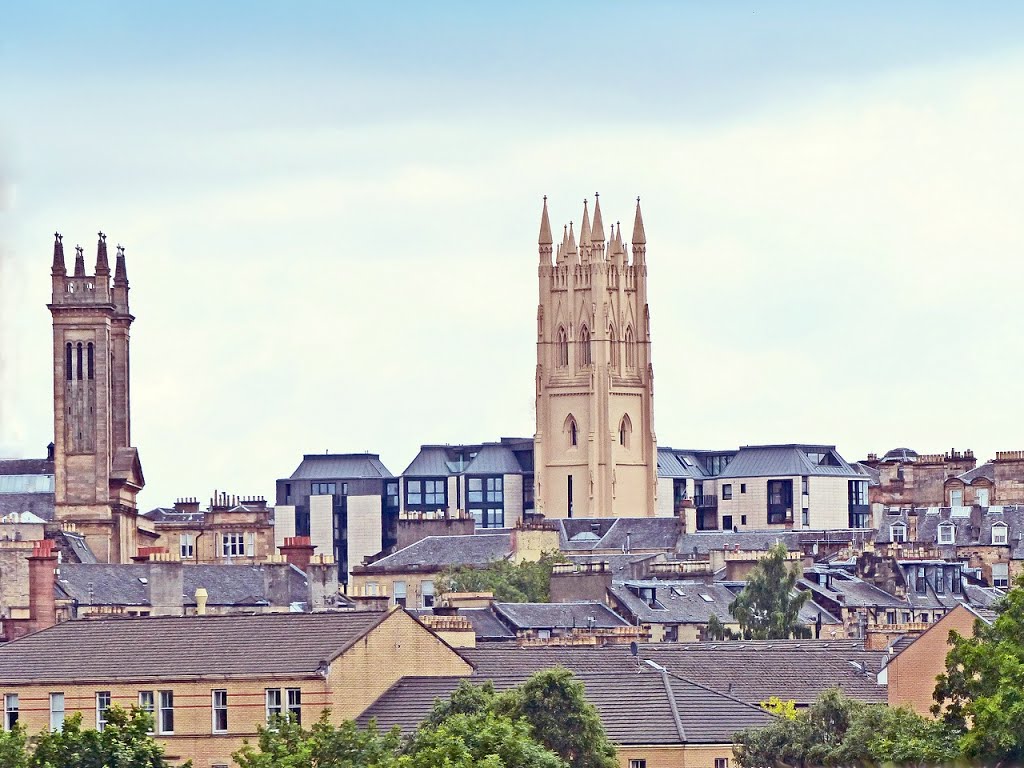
[98,474]
[595,452]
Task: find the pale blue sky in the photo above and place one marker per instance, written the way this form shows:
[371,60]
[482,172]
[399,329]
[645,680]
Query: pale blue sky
[832,197]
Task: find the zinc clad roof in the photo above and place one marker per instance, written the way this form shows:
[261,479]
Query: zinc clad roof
[431,461]
[785,460]
[183,647]
[435,552]
[494,459]
[341,466]
[587,613]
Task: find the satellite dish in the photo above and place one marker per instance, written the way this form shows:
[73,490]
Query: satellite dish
[634,648]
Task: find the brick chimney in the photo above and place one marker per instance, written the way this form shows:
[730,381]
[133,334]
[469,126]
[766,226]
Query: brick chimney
[42,567]
[298,550]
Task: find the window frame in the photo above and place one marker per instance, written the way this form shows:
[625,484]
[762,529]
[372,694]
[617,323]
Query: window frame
[727,491]
[946,528]
[218,709]
[12,713]
[427,596]
[902,539]
[273,709]
[187,546]
[62,711]
[293,703]
[1003,581]
[1005,537]
[101,711]
[232,544]
[165,699]
[418,487]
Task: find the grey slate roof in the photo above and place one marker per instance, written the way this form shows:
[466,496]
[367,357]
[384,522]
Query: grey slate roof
[986,471]
[341,466]
[431,461]
[171,515]
[612,534]
[785,460]
[486,626]
[636,706]
[975,529]
[39,504]
[183,647]
[438,552]
[852,592]
[73,547]
[227,585]
[681,602]
[750,671]
[26,467]
[704,542]
[584,613]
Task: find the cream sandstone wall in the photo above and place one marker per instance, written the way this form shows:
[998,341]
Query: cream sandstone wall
[364,528]
[830,502]
[513,490]
[321,524]
[682,756]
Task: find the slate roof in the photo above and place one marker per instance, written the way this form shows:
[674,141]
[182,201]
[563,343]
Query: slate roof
[974,529]
[39,504]
[172,515]
[438,552]
[584,613]
[873,474]
[986,471]
[181,648]
[123,585]
[785,460]
[341,466]
[26,467]
[621,566]
[611,534]
[511,455]
[851,592]
[73,547]
[681,601]
[486,626]
[750,671]
[636,706]
[704,542]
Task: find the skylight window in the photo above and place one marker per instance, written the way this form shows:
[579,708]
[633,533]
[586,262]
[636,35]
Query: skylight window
[707,598]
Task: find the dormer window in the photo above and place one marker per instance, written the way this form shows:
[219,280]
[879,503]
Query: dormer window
[947,534]
[999,534]
[899,533]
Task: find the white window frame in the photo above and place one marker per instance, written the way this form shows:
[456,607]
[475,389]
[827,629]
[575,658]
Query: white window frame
[981,496]
[427,593]
[232,544]
[946,528]
[1003,579]
[166,699]
[956,495]
[56,713]
[902,529]
[101,711]
[250,544]
[12,711]
[399,591]
[273,709]
[217,707]
[721,762]
[187,546]
[638,763]
[293,704]
[1004,532]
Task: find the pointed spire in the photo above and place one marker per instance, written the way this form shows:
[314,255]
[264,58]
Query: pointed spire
[545,226]
[79,261]
[102,265]
[572,240]
[59,267]
[597,235]
[639,236]
[585,226]
[120,273]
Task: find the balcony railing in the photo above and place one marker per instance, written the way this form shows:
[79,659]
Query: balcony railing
[707,501]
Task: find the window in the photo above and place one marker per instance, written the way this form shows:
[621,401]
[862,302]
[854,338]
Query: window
[147,703]
[613,348]
[630,348]
[573,436]
[398,590]
[90,361]
[803,485]
[956,497]
[562,356]
[78,367]
[727,491]
[981,497]
[102,705]
[486,500]
[68,367]
[489,518]
[1000,575]
[220,710]
[56,711]
[427,593]
[10,711]
[921,581]
[805,518]
[955,582]
[898,533]
[906,617]
[946,534]
[426,493]
[584,347]
[743,519]
[940,581]
[721,762]
[743,487]
[186,542]
[999,533]
[274,709]
[323,489]
[780,501]
[859,511]
[890,617]
[166,712]
[391,491]
[638,763]
[924,618]
[233,544]
[295,705]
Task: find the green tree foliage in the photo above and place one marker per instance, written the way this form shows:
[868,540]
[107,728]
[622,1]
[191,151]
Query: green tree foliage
[525,582]
[125,742]
[983,685]
[768,607]
[12,748]
[478,740]
[286,744]
[716,630]
[837,731]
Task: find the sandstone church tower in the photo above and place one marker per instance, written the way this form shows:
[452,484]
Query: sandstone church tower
[595,452]
[97,471]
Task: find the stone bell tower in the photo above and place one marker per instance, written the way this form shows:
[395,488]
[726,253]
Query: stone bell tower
[595,452]
[98,474]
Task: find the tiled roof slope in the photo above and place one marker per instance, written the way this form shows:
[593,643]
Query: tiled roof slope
[486,626]
[624,534]
[559,615]
[183,647]
[341,466]
[748,671]
[441,551]
[26,467]
[635,706]
[39,504]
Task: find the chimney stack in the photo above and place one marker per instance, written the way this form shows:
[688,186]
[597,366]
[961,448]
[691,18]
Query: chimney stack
[42,574]
[298,550]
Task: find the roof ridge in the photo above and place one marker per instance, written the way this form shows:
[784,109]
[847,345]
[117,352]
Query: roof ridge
[672,704]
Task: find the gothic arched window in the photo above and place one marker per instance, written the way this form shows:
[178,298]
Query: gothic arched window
[78,369]
[625,429]
[584,346]
[630,348]
[562,350]
[572,431]
[68,368]
[91,361]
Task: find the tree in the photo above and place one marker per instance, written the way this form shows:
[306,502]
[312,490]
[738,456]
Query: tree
[524,582]
[717,630]
[286,744]
[126,741]
[838,731]
[12,748]
[983,685]
[768,608]
[482,739]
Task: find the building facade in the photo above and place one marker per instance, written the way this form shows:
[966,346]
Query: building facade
[97,471]
[595,447]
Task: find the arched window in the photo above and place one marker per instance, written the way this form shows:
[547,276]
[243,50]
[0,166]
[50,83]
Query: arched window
[78,369]
[572,431]
[630,348]
[67,362]
[625,429]
[613,347]
[584,344]
[562,353]
[90,361]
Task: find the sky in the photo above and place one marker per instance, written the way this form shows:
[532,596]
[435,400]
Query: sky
[330,215]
